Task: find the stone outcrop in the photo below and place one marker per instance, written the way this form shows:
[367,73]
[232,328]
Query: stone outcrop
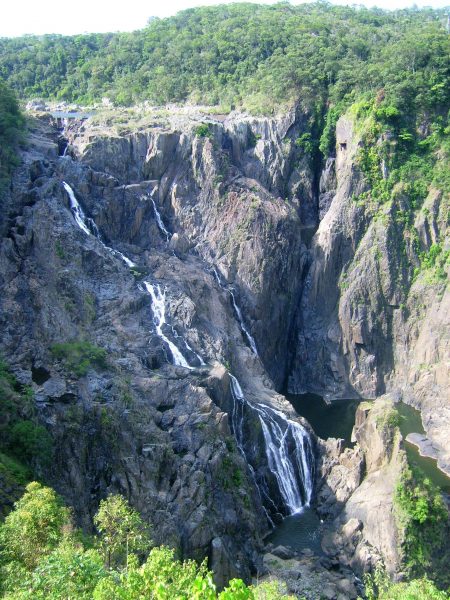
[332,311]
[358,491]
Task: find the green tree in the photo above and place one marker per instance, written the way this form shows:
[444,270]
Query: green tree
[35,527]
[67,573]
[122,530]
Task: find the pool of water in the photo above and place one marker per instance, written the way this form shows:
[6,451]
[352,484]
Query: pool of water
[304,530]
[299,531]
[60,114]
[328,420]
[411,422]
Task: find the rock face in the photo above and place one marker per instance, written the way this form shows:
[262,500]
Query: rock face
[366,326]
[264,265]
[358,490]
[138,424]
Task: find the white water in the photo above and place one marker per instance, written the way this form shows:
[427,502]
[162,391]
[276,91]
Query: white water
[76,209]
[246,332]
[289,453]
[199,358]
[88,225]
[288,450]
[159,319]
[238,312]
[160,222]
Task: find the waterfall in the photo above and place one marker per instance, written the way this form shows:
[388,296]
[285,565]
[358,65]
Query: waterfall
[89,227]
[289,454]
[160,222]
[288,451]
[159,319]
[238,312]
[158,297]
[76,209]
[244,329]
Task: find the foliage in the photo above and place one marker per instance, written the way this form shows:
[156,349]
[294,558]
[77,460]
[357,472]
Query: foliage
[79,356]
[68,572]
[424,519]
[42,557]
[11,126]
[161,576]
[121,529]
[378,586]
[203,130]
[21,437]
[245,54]
[34,528]
[434,261]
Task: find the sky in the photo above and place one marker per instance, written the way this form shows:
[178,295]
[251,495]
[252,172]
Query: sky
[21,17]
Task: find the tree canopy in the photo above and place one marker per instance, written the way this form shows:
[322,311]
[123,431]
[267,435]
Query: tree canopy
[244,54]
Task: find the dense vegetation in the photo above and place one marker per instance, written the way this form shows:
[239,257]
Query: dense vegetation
[25,445]
[11,125]
[423,517]
[246,54]
[42,556]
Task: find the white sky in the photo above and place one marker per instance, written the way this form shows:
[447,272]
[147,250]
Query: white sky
[53,16]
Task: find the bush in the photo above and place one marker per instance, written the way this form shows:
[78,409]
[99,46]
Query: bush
[34,528]
[79,356]
[423,517]
[29,440]
[203,130]
[379,587]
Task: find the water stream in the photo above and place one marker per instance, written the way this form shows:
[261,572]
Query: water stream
[248,336]
[411,422]
[159,221]
[288,450]
[88,226]
[159,318]
[303,529]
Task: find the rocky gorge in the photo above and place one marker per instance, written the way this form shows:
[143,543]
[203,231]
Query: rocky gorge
[218,266]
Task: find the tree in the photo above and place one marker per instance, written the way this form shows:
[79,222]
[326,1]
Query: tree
[35,527]
[68,572]
[121,529]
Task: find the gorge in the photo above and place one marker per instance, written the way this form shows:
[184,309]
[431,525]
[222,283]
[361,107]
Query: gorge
[233,317]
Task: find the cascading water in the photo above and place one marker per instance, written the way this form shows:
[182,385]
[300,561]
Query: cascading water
[159,221]
[290,456]
[288,451]
[76,209]
[88,225]
[159,319]
[158,297]
[238,312]
[244,329]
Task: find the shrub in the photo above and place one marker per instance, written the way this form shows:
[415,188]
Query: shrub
[79,356]
[203,130]
[422,515]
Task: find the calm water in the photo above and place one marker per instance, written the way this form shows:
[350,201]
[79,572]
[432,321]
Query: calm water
[412,423]
[59,114]
[328,420]
[299,531]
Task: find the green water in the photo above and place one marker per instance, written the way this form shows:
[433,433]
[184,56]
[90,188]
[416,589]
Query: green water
[299,531]
[411,422]
[328,420]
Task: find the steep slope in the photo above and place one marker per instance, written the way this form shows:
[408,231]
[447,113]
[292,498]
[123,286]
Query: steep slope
[122,336]
[374,314]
